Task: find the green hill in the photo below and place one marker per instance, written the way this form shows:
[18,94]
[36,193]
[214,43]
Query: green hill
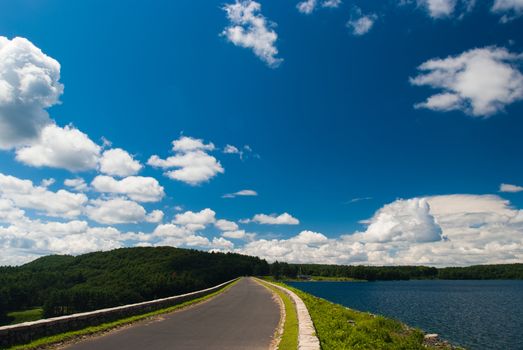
[66,284]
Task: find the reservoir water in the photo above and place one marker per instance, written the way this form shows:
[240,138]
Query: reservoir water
[474,314]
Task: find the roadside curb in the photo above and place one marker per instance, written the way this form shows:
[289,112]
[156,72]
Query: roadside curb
[307,339]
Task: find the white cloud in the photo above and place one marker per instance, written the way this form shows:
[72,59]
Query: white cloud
[154,216]
[188,144]
[230,149]
[78,184]
[447,230]
[438,8]
[250,29]
[9,212]
[25,195]
[510,188]
[510,9]
[179,236]
[117,162]
[57,147]
[331,3]
[222,244]
[236,234]
[226,225]
[307,6]
[242,193]
[194,165]
[403,220]
[273,219]
[29,83]
[479,82]
[361,24]
[138,188]
[47,182]
[116,211]
[242,152]
[195,221]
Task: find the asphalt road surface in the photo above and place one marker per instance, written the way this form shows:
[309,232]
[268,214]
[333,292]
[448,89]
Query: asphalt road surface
[243,317]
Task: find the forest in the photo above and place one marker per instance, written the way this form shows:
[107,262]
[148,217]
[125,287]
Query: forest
[64,284]
[387,273]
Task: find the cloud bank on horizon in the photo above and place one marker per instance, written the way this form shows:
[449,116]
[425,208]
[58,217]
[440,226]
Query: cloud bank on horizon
[113,197]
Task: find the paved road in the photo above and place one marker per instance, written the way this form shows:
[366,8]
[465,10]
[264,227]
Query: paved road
[244,317]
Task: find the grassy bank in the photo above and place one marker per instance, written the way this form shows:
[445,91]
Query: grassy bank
[289,338]
[104,327]
[338,327]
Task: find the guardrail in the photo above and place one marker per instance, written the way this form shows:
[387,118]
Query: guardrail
[28,331]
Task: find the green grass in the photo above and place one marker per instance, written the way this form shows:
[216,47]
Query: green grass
[26,315]
[338,327]
[289,339]
[68,336]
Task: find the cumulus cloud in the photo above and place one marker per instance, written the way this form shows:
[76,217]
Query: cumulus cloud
[117,211]
[192,163]
[274,219]
[118,162]
[248,28]
[361,24]
[29,84]
[306,6]
[9,212]
[331,3]
[438,8]
[510,9]
[179,236]
[195,221]
[242,193]
[226,225]
[57,147]
[480,82]
[446,230]
[138,188]
[24,194]
[230,149]
[510,188]
[26,240]
[78,184]
[155,216]
[403,220]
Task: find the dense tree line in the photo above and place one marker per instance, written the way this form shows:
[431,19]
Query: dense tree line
[387,273]
[67,284]
[369,273]
[482,272]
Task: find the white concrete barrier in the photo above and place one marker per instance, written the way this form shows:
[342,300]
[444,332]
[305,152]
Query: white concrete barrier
[307,339]
[22,333]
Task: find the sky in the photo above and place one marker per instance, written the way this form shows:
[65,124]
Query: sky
[321,131]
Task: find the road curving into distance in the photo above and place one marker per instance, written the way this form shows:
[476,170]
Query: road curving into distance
[243,317]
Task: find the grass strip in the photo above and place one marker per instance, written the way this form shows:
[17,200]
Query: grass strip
[92,330]
[289,339]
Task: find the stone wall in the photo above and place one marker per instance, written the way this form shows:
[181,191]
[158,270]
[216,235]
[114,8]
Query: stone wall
[26,332]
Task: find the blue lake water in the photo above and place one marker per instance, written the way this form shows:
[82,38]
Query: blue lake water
[474,314]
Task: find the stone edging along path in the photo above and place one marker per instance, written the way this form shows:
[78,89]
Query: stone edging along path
[307,339]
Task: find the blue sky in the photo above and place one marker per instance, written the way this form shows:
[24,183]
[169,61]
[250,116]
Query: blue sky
[379,161]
